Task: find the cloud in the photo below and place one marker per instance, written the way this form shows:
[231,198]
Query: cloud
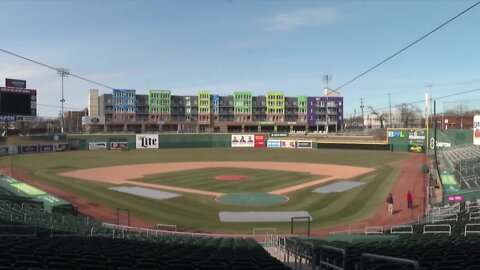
[302,18]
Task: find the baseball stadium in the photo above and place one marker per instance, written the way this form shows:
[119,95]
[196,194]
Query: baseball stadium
[305,199]
[244,164]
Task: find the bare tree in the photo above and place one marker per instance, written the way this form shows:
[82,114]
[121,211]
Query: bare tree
[459,109]
[408,114]
[379,115]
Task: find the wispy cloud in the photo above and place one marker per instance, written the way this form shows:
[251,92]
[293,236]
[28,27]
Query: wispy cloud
[303,18]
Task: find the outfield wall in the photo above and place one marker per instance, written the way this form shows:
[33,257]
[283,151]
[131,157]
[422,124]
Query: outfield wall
[401,140]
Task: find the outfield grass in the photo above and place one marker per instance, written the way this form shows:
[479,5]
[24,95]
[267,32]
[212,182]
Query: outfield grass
[203,179]
[200,213]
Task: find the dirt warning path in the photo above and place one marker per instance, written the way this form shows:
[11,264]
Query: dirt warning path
[119,175]
[411,178]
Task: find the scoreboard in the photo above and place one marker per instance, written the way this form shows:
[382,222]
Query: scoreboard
[16,99]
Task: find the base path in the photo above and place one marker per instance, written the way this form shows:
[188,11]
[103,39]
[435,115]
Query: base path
[124,173]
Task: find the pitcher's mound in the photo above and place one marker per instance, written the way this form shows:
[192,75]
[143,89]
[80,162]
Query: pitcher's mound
[230,177]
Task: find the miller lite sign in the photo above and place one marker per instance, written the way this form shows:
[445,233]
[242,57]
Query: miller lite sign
[147,141]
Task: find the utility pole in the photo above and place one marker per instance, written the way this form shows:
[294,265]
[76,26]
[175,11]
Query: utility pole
[361,107]
[62,72]
[390,105]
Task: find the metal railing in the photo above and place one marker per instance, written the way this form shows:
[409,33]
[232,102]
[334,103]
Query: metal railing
[401,229]
[324,263]
[375,257]
[426,229]
[156,233]
[474,215]
[373,230]
[470,225]
[445,217]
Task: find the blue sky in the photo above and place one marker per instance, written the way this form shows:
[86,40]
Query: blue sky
[226,46]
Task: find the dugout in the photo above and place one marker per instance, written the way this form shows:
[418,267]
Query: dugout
[23,193]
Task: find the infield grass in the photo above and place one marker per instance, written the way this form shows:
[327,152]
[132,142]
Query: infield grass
[204,179]
[200,213]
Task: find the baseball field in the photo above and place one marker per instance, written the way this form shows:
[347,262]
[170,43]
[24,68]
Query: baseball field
[200,177]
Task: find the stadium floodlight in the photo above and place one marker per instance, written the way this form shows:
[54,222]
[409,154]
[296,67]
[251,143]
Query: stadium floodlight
[326,79]
[62,72]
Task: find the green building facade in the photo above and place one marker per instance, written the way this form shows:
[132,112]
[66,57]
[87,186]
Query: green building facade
[159,101]
[275,106]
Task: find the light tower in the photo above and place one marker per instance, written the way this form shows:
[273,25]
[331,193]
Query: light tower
[62,72]
[326,79]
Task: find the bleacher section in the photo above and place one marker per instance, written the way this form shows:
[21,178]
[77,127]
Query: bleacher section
[466,162]
[31,238]
[448,239]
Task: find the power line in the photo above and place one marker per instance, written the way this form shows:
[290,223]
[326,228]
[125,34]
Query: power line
[56,69]
[408,46]
[433,98]
[59,107]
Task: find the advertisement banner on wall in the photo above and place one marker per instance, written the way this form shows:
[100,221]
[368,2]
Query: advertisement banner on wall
[417,137]
[242,140]
[4,150]
[304,144]
[288,144]
[29,149]
[46,148]
[415,148]
[146,141]
[61,147]
[118,145]
[93,120]
[274,144]
[259,140]
[476,130]
[97,146]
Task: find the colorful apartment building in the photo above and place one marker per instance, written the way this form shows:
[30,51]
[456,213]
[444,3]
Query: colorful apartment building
[160,111]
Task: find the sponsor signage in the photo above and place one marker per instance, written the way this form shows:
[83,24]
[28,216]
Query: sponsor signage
[29,149]
[97,146]
[415,148]
[46,148]
[93,120]
[274,144]
[288,144]
[15,83]
[279,135]
[19,90]
[146,141]
[304,144]
[4,150]
[259,140]
[8,150]
[476,130]
[396,134]
[26,118]
[118,145]
[8,118]
[439,144]
[61,147]
[456,198]
[242,140]
[416,135]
